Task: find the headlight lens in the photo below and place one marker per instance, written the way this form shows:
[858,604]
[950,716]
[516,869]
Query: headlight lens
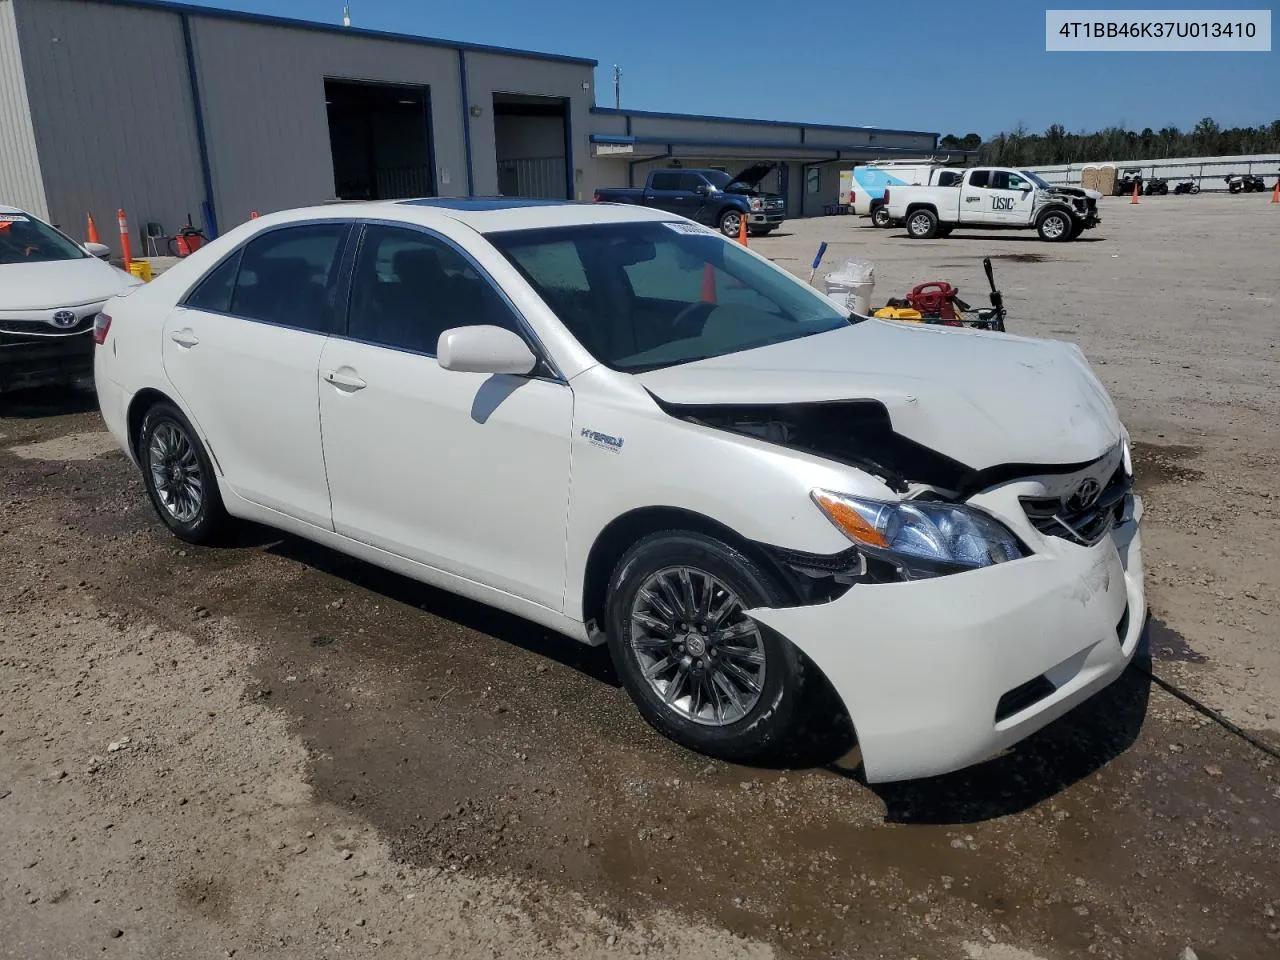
[757,203]
[921,538]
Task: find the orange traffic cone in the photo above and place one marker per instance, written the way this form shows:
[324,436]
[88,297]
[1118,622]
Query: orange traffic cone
[91,231]
[742,229]
[1135,192]
[708,284]
[1275,194]
[125,252]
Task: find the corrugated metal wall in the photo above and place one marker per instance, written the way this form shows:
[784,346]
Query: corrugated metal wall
[112,114]
[265,121]
[20,182]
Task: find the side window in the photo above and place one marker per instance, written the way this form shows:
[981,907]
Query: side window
[214,291]
[689,182]
[285,276]
[1015,182]
[979,178]
[948,178]
[410,287]
[665,181]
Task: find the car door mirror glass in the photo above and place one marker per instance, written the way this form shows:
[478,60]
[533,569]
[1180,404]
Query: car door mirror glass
[484,349]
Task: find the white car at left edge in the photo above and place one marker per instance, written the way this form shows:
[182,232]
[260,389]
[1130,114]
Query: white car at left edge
[51,290]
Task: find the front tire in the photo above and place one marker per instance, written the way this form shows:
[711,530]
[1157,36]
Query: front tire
[698,669]
[922,225]
[1055,226]
[880,216]
[731,223]
[179,476]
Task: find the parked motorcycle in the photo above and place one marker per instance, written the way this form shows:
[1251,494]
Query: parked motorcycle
[1244,183]
[1186,186]
[1156,185]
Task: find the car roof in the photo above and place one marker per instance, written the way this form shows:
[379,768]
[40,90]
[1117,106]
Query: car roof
[482,214]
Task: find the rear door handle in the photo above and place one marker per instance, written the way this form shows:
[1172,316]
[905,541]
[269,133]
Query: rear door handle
[345,381]
[185,337]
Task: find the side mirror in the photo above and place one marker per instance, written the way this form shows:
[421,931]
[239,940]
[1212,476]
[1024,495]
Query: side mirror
[701,188]
[99,250]
[484,349]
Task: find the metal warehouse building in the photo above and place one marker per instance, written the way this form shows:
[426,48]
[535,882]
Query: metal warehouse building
[170,111]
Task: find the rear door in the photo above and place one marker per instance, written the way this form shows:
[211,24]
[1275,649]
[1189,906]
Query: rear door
[976,198]
[242,351]
[664,193]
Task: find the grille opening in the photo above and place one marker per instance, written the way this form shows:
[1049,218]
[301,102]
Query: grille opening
[1122,627]
[1023,696]
[1054,518]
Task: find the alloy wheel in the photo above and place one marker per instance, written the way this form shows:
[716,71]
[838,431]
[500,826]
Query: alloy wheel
[697,649]
[175,472]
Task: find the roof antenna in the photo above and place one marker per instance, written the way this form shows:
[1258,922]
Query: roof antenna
[617,87]
[346,14]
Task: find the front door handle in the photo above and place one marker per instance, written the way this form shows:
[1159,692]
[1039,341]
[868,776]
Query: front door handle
[345,381]
[185,337]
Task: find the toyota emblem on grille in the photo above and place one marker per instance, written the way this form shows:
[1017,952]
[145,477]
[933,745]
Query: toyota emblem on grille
[64,319]
[1085,496]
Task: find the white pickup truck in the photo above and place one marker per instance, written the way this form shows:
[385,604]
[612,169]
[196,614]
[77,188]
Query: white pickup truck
[994,198]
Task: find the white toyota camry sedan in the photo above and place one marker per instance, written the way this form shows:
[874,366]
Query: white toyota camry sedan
[618,424]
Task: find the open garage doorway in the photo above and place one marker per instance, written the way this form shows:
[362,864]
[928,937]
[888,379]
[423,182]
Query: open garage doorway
[531,140]
[380,136]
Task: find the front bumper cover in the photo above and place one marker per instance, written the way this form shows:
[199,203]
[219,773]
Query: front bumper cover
[921,666]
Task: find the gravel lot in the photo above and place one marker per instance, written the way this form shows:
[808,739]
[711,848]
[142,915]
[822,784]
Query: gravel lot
[271,750]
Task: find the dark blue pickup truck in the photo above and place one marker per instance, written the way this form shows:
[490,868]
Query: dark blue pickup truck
[707,196]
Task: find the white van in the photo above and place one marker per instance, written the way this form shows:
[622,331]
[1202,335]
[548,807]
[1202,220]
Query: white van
[862,188]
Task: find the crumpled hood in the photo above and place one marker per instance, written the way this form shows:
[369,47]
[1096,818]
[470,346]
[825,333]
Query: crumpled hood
[983,399]
[60,283]
[1078,192]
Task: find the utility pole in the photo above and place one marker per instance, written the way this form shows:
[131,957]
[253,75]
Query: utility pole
[617,87]
[346,14]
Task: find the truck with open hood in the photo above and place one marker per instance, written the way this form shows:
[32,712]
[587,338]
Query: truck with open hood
[708,196]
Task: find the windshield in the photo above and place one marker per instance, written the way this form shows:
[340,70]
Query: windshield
[640,296]
[1038,181]
[26,240]
[718,178]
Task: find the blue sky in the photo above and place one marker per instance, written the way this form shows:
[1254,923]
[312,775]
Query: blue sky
[952,67]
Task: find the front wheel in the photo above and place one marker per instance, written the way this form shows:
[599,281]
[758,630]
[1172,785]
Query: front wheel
[179,476]
[880,216]
[731,224]
[1195,189]
[922,225]
[699,670]
[1055,226]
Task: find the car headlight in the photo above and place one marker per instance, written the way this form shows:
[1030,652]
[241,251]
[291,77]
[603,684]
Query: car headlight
[757,203]
[920,538]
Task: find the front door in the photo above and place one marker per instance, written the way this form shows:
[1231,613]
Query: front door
[1012,197]
[242,353]
[464,472]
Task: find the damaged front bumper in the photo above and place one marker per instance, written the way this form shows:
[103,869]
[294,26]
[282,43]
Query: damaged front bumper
[942,673]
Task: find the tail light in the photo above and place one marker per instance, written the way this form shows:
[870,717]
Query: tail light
[595,197]
[886,196]
[101,325]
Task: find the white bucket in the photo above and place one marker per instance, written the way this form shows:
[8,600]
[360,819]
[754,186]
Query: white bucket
[850,287]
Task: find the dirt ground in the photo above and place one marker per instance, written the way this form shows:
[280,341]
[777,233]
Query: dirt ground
[270,750]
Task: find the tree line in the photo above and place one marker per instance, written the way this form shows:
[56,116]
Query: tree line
[1019,148]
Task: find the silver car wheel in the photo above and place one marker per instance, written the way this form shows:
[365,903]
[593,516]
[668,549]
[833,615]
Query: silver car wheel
[175,472]
[699,652]
[1054,227]
[920,224]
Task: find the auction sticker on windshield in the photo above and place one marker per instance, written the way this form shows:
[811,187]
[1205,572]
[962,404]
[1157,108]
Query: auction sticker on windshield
[694,228]
[12,218]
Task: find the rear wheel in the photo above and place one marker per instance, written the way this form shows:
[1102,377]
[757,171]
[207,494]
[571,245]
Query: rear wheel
[699,670]
[922,225]
[1055,226]
[880,216]
[179,476]
[731,223]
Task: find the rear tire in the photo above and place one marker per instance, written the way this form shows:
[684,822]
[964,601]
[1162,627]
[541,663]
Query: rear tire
[1055,226]
[697,668]
[880,216]
[179,477]
[922,225]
